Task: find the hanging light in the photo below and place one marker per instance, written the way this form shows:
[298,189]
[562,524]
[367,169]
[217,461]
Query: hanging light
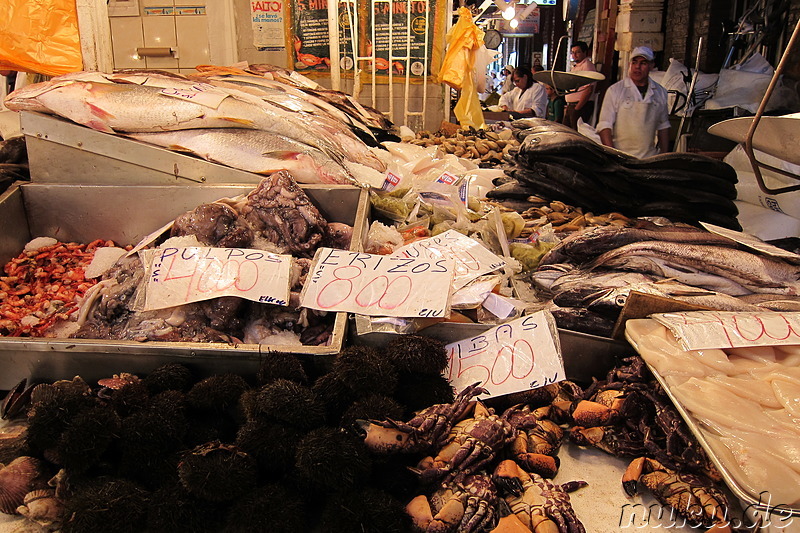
[514,23]
[510,12]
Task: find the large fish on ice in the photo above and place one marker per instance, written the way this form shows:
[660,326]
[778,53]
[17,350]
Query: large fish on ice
[129,107]
[254,151]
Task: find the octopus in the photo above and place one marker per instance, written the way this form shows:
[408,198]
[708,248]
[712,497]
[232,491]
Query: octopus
[278,217]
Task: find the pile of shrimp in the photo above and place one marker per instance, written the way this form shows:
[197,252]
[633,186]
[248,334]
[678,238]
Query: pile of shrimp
[42,286]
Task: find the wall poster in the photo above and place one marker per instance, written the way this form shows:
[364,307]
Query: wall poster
[268,22]
[309,32]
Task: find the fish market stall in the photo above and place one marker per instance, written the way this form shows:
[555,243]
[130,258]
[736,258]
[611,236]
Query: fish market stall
[126,214]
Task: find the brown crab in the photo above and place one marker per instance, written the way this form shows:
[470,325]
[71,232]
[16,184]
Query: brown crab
[465,503]
[471,444]
[427,430]
[537,439]
[693,497]
[542,506]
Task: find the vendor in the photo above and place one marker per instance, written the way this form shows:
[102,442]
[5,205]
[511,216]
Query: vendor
[634,117]
[527,99]
[579,103]
[508,83]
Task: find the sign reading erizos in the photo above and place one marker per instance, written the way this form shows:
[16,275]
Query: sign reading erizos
[378,285]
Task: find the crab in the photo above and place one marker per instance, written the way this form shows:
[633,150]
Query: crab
[537,439]
[427,430]
[619,441]
[693,497]
[471,444]
[465,503]
[541,506]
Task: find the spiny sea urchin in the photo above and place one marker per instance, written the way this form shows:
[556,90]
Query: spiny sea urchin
[280,365]
[417,391]
[106,504]
[331,460]
[272,444]
[289,402]
[374,407]
[217,393]
[415,353]
[365,371]
[169,376]
[217,472]
[270,508]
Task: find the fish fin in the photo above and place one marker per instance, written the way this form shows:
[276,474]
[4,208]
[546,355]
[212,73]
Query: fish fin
[179,148]
[99,112]
[243,121]
[282,154]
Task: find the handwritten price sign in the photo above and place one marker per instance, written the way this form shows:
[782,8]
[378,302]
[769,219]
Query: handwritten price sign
[516,356]
[199,93]
[177,276]
[471,257]
[378,285]
[698,330]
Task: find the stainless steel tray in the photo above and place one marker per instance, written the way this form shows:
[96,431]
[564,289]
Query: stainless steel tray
[744,496]
[60,151]
[125,214]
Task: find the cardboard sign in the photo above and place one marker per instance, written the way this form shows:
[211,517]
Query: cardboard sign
[177,276]
[698,330]
[200,93]
[751,242]
[512,357]
[378,285]
[472,259]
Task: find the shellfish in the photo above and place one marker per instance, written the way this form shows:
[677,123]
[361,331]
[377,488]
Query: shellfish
[21,476]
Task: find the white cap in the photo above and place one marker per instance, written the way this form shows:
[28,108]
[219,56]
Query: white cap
[643,51]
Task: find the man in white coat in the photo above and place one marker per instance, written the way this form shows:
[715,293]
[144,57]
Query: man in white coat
[634,117]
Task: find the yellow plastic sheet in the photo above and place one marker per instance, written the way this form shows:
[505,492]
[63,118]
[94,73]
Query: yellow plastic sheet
[40,36]
[463,41]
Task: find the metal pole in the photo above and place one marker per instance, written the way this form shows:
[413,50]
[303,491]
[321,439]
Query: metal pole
[691,89]
[333,45]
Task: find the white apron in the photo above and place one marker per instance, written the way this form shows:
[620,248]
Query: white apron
[634,130]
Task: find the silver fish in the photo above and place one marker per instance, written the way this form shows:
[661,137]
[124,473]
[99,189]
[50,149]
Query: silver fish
[254,151]
[582,246]
[753,272]
[112,107]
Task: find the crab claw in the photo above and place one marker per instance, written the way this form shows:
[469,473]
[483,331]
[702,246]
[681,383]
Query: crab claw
[507,477]
[380,439]
[630,479]
[539,463]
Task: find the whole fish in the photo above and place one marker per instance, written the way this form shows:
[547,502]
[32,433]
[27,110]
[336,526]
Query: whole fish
[254,151]
[128,107]
[582,246]
[754,272]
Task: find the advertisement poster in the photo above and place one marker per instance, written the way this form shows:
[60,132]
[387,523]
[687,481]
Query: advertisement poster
[268,22]
[409,27]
